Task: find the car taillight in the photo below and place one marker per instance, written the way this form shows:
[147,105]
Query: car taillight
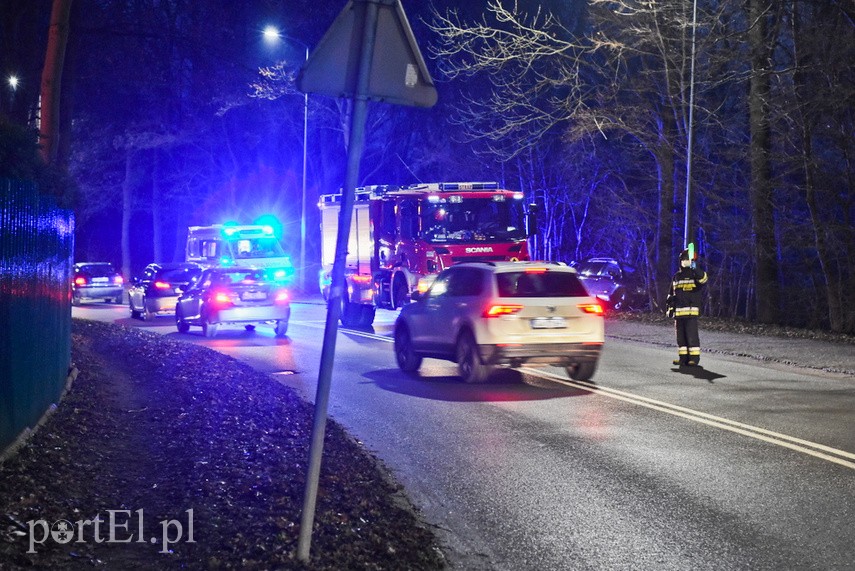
[162,285]
[281,296]
[594,308]
[118,280]
[221,298]
[80,280]
[497,310]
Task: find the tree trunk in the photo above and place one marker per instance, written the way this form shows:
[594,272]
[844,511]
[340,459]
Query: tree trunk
[127,206]
[52,79]
[156,216]
[829,278]
[762,214]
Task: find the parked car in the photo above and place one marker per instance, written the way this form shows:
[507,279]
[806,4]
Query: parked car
[619,285]
[156,291]
[96,280]
[234,295]
[488,314]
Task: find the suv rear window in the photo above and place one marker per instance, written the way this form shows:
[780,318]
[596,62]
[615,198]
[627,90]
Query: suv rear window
[546,284]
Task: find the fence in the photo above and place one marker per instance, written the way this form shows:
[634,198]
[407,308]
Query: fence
[36,251]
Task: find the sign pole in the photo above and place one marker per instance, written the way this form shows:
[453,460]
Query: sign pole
[354,154]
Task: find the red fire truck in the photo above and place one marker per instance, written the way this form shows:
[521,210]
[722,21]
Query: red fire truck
[400,234]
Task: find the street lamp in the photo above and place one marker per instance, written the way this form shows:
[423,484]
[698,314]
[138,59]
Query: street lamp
[271,36]
[13,82]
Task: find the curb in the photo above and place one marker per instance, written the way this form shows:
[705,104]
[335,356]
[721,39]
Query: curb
[28,432]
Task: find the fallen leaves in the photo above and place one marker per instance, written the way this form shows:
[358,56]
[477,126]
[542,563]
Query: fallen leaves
[164,426]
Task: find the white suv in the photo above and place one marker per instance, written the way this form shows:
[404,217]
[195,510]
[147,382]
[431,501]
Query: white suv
[485,314]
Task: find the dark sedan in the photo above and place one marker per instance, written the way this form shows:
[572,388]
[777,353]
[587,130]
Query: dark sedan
[157,290]
[96,280]
[619,285]
[243,296]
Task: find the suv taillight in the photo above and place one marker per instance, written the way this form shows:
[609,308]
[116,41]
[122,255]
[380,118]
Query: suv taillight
[501,309]
[162,285]
[80,280]
[281,296]
[118,280]
[594,308]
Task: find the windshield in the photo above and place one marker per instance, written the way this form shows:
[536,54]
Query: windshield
[473,219]
[247,248]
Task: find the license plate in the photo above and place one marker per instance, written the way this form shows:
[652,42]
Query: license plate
[253,295]
[548,323]
[100,280]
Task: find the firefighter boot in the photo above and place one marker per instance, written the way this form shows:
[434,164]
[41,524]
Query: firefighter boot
[694,357]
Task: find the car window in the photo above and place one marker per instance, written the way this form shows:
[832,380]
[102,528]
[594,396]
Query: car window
[465,282]
[226,278]
[178,275]
[98,270]
[590,268]
[440,284]
[545,284]
[612,270]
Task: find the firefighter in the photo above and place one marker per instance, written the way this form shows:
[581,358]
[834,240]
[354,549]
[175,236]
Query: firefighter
[684,305]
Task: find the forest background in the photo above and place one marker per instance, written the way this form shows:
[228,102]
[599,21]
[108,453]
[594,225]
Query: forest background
[178,112]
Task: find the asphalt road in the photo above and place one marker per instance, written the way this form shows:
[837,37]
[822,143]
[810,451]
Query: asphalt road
[742,465]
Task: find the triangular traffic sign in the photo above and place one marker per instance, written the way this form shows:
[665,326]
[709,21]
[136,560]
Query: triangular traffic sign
[398,71]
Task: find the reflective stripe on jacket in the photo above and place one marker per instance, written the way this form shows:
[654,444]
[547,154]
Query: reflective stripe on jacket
[685,295]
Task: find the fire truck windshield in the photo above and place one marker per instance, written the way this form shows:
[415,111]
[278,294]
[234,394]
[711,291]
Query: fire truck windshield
[266,247]
[467,219]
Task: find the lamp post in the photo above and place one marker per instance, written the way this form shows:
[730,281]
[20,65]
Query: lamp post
[271,35]
[687,222]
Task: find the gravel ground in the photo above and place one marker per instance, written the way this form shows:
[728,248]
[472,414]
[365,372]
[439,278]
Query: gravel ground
[823,350]
[144,428]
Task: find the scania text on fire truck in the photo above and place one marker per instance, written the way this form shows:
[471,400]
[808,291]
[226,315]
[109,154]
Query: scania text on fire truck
[249,245]
[400,234]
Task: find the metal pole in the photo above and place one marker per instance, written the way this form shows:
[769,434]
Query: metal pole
[687,225]
[355,146]
[303,203]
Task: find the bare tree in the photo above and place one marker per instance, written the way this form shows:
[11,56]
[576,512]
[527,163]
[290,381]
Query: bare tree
[625,80]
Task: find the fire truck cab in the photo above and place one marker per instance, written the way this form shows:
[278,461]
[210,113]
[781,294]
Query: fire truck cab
[400,234]
[250,245]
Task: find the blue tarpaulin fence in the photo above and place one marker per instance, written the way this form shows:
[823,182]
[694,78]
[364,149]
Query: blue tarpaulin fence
[36,253]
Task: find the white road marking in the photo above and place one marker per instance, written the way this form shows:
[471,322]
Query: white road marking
[799,445]
[791,442]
